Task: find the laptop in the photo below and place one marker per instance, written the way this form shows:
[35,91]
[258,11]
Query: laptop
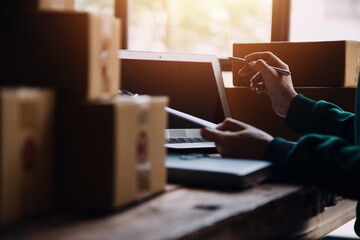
[216,172]
[193,83]
[195,86]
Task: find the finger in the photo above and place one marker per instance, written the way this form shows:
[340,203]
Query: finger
[255,80]
[231,125]
[268,57]
[245,70]
[262,86]
[211,134]
[258,90]
[218,147]
[265,70]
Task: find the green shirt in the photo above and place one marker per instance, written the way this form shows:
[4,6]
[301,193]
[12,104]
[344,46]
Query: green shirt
[326,155]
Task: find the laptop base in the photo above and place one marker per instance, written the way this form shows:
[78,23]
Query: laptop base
[201,170]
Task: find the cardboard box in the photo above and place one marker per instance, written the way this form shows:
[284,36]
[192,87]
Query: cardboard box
[312,64]
[76,53]
[26,152]
[112,152]
[248,106]
[61,5]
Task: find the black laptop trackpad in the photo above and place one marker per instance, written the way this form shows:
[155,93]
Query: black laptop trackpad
[189,151]
[215,172]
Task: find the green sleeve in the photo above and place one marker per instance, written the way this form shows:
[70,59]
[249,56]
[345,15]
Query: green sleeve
[326,161]
[326,155]
[307,116]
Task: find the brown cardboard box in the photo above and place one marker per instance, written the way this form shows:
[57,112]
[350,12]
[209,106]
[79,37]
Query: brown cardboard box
[26,160]
[60,5]
[312,64]
[248,106]
[76,53]
[112,152]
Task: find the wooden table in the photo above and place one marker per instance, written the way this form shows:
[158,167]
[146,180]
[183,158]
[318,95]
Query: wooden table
[266,211]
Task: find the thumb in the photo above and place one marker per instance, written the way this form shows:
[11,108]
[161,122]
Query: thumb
[211,134]
[265,70]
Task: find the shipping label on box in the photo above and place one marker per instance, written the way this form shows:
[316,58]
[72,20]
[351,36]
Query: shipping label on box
[113,151]
[26,160]
[312,64]
[74,52]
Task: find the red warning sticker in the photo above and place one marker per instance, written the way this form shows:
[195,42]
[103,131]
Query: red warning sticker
[143,163]
[142,148]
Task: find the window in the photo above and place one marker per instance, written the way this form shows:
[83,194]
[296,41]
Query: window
[313,20]
[105,7]
[211,26]
[196,26]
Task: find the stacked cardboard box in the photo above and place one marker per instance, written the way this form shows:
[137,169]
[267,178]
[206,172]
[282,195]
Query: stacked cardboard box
[109,149]
[320,70]
[26,152]
[112,151]
[312,64]
[73,52]
[59,5]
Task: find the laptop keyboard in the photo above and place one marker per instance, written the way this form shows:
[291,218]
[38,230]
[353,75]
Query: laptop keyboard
[185,140]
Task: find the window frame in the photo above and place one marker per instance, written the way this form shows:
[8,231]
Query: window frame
[280,24]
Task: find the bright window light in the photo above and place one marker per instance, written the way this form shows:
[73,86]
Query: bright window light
[313,20]
[196,26]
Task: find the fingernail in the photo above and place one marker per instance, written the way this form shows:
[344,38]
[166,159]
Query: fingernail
[251,64]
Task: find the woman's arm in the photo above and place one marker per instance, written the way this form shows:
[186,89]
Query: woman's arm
[307,116]
[326,161]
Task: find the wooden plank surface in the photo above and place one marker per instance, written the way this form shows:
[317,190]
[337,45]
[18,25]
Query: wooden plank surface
[325,222]
[261,212]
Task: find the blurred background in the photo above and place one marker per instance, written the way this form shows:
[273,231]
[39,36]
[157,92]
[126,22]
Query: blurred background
[212,26]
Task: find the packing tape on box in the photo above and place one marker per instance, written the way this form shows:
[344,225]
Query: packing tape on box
[26,161]
[108,31]
[106,27]
[28,123]
[143,162]
[28,115]
[56,4]
[142,146]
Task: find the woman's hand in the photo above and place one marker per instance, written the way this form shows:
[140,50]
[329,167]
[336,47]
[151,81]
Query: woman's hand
[237,139]
[279,87]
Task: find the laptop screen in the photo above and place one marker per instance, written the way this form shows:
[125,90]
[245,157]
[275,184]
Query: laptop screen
[191,87]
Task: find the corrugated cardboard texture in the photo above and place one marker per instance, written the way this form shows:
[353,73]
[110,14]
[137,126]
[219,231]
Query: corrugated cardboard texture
[312,64]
